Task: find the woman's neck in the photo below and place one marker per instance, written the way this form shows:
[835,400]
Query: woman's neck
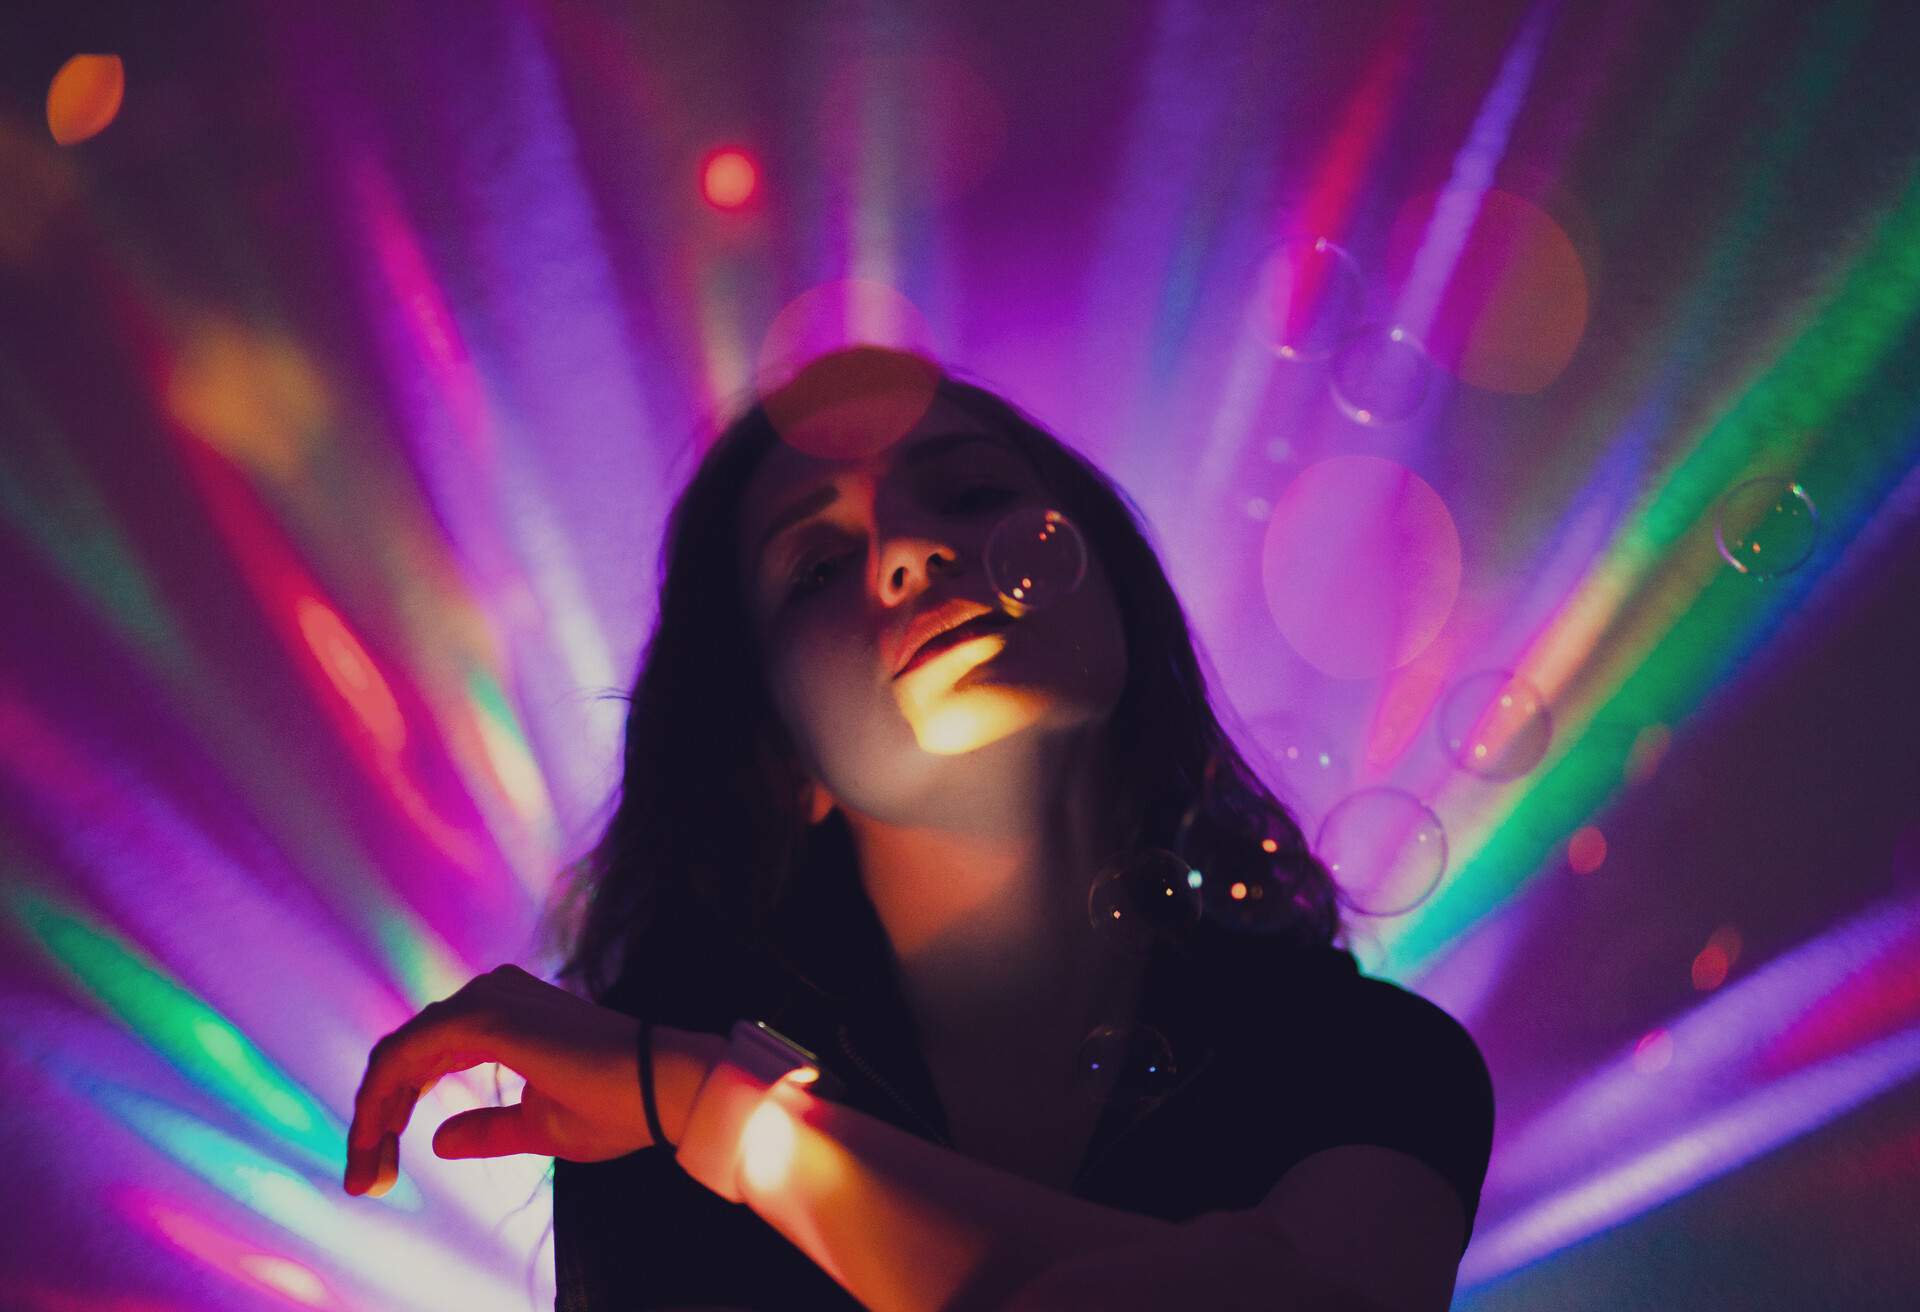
[986,910]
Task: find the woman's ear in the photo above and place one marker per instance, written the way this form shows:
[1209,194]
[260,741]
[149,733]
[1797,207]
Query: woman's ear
[816,801]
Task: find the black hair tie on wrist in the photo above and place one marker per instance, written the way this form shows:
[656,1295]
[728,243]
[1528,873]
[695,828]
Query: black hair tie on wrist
[646,1083]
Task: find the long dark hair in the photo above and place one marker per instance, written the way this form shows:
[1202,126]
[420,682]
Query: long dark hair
[708,826]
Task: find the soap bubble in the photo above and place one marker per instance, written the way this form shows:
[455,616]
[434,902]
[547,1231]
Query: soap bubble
[1244,880]
[1143,897]
[1495,724]
[1385,849]
[1766,526]
[1380,375]
[1136,1062]
[1309,296]
[1035,557]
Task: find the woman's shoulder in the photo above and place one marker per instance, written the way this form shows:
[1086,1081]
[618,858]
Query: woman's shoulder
[1289,996]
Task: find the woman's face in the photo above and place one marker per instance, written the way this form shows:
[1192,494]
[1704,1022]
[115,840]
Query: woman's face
[839,557]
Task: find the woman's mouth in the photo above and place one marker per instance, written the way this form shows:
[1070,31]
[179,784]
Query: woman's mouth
[977,627]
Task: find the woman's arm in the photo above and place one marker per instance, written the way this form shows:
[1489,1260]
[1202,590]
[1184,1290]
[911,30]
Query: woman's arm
[902,1223]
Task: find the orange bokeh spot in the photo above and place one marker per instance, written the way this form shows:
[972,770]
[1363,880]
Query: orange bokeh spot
[1238,891]
[1516,303]
[1268,845]
[1711,967]
[729,179]
[854,402]
[1586,850]
[352,672]
[84,97]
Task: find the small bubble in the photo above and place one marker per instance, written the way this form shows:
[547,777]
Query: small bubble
[1380,375]
[1495,724]
[1385,849]
[1309,297]
[1766,527]
[1034,557]
[1143,897]
[1135,1062]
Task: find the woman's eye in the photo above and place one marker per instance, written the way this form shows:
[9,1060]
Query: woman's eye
[813,574]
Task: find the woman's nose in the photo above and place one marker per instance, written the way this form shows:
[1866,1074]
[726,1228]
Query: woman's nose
[909,563]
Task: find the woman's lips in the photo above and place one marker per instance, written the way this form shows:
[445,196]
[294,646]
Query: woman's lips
[991,622]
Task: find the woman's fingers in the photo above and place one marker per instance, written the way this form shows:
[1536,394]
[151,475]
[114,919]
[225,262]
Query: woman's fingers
[489,1132]
[375,1170]
[445,1036]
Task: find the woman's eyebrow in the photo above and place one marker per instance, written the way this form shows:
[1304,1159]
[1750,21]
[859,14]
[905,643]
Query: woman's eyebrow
[825,495]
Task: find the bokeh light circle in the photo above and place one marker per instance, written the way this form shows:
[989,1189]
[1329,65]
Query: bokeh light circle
[728,178]
[1766,527]
[84,97]
[1309,296]
[852,366]
[1495,724]
[1142,898]
[1034,557]
[1361,565]
[1380,375]
[1385,849]
[1136,1063]
[1516,300]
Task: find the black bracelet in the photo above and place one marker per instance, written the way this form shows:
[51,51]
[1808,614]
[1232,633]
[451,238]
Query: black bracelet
[646,1083]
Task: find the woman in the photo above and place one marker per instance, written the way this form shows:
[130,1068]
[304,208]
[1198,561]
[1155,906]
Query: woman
[886,848]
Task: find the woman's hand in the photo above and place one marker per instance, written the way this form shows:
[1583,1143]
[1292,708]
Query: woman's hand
[582,1100]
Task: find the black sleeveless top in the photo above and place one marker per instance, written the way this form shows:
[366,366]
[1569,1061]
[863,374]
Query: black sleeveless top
[1280,1050]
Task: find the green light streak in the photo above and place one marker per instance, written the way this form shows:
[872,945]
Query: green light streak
[1818,414]
[47,498]
[197,1040]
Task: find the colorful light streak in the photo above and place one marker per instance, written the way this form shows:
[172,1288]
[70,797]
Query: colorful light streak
[1591,661]
[449,644]
[400,1265]
[201,1043]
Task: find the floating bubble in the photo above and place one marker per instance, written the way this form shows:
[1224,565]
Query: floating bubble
[84,97]
[1495,724]
[1035,556]
[1136,1062]
[1309,299]
[1380,375]
[1385,849]
[1766,527]
[1147,896]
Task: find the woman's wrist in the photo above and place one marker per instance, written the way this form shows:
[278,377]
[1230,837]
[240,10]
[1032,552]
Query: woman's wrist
[681,1062]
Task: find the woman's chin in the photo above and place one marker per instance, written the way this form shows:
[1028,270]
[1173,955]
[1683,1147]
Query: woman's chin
[974,713]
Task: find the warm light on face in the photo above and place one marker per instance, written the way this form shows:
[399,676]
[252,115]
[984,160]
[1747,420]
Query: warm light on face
[947,721]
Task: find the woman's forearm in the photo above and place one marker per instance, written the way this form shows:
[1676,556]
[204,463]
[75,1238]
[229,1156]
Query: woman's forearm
[902,1223]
